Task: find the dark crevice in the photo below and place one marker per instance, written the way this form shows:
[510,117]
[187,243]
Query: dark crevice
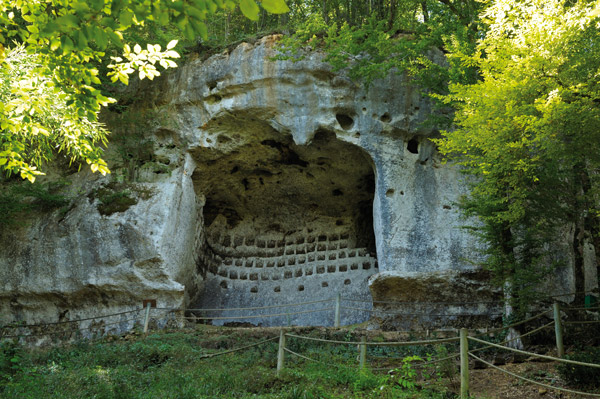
[288,156]
[413,146]
[345,121]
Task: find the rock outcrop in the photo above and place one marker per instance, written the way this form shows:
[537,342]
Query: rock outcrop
[278,182]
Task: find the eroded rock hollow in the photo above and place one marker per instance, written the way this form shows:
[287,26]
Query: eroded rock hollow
[284,223]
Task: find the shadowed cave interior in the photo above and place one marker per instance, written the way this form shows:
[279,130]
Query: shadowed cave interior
[284,223]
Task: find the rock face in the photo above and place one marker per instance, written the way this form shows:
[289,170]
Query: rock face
[287,183]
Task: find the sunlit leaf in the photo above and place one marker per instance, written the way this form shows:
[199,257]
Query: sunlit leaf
[249,9]
[172,44]
[275,6]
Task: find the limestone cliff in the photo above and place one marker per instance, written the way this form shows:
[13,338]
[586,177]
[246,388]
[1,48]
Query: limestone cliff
[281,182]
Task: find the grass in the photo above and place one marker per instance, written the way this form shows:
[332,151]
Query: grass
[170,365]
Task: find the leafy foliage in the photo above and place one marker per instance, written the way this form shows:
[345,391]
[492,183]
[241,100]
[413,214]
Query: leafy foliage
[529,134]
[36,120]
[17,199]
[64,40]
[370,39]
[581,376]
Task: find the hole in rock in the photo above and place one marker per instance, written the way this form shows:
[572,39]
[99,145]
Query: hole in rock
[345,121]
[413,146]
[215,98]
[271,207]
[386,118]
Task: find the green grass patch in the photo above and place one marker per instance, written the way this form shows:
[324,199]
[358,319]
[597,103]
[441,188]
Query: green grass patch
[172,365]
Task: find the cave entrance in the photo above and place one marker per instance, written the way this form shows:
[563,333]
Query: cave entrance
[286,224]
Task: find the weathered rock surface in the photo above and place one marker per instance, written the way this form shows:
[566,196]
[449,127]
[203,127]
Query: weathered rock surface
[287,183]
[434,299]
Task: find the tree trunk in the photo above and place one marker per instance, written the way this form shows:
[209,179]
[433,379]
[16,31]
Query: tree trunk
[392,16]
[425,12]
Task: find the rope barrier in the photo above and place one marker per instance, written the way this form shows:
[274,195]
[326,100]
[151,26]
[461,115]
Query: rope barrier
[454,355]
[262,307]
[425,363]
[318,361]
[570,294]
[533,381]
[238,349]
[419,314]
[506,341]
[582,322]
[501,302]
[69,321]
[307,358]
[405,343]
[535,354]
[537,316]
[257,316]
[420,303]
[584,308]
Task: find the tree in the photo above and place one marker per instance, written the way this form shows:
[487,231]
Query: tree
[529,134]
[52,105]
[371,38]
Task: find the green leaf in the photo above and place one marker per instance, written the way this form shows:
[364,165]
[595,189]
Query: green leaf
[249,9]
[229,5]
[82,40]
[114,37]
[69,21]
[97,5]
[50,28]
[200,28]
[81,7]
[116,6]
[126,18]
[54,44]
[195,13]
[275,6]
[67,44]
[188,31]
[101,37]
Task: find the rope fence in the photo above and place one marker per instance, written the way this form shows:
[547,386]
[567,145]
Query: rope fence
[263,307]
[522,352]
[422,314]
[209,355]
[532,381]
[99,325]
[260,315]
[397,343]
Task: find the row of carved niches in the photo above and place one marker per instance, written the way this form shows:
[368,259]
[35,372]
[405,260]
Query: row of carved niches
[248,270]
[237,246]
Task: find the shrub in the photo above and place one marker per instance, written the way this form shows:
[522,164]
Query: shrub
[581,375]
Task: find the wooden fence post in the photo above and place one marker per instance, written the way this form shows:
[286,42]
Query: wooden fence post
[281,352]
[560,349]
[338,302]
[464,364]
[147,317]
[362,359]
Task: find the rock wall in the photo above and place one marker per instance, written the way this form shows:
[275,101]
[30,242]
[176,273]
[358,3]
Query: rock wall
[59,267]
[286,183]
